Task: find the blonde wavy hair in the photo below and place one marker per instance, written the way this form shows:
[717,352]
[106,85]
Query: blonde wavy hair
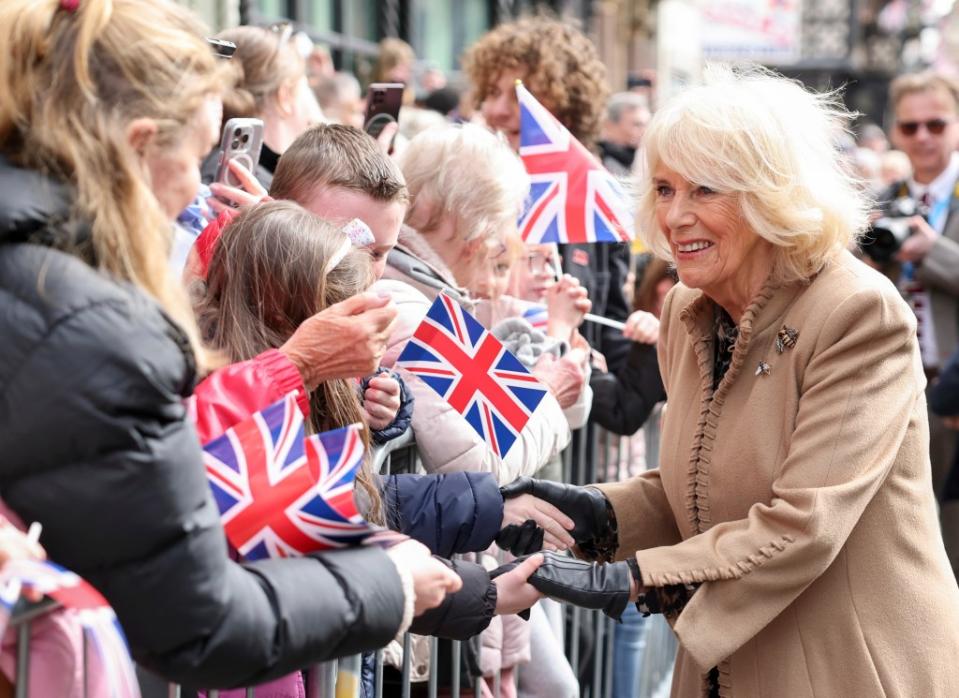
[73,81]
[466,172]
[755,134]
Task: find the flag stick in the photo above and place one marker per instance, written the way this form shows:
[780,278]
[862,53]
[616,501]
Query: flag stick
[33,533]
[600,320]
[14,586]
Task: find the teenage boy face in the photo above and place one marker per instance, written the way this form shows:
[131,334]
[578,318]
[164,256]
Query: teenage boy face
[384,218]
[500,108]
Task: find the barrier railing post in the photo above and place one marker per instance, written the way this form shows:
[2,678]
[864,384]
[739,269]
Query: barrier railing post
[574,639]
[407,661]
[349,677]
[599,644]
[378,674]
[432,686]
[23,660]
[610,639]
[455,650]
[321,680]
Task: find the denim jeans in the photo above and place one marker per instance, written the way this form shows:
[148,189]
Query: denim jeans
[629,640]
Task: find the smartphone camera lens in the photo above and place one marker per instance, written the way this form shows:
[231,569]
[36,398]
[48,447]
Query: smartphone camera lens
[235,144]
[245,138]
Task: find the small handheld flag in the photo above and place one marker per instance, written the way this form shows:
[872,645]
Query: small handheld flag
[573,199]
[537,316]
[459,359]
[281,495]
[110,658]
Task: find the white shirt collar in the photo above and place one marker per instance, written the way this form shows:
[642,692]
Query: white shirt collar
[941,187]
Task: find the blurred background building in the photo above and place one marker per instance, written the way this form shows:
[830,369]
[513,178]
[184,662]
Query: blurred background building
[856,44]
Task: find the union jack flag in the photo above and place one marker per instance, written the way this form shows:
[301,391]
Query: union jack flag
[536,316]
[281,495]
[110,661]
[572,198]
[454,355]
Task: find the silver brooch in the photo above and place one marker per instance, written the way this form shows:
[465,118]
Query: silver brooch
[762,369]
[786,338]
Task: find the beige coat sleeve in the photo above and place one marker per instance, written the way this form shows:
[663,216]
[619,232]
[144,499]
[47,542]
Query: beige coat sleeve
[643,515]
[861,388]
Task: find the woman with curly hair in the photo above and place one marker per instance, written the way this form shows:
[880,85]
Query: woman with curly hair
[555,61]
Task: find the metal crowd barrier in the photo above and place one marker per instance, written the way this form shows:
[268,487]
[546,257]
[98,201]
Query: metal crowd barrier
[593,455]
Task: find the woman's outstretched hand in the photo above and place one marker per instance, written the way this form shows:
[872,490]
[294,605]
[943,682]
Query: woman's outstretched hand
[586,506]
[605,587]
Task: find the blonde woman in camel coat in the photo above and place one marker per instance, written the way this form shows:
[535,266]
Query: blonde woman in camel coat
[790,534]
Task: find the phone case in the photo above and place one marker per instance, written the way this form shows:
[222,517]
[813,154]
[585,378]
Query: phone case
[383,103]
[242,141]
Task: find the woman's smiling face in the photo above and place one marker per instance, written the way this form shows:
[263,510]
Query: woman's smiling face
[713,247]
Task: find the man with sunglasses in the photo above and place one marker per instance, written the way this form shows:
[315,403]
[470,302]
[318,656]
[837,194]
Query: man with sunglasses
[926,107]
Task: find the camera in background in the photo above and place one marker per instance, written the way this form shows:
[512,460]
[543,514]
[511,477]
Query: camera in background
[885,237]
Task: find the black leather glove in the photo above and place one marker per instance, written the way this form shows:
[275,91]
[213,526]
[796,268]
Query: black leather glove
[521,540]
[603,587]
[594,528]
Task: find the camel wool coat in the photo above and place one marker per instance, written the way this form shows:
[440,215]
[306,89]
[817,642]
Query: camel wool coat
[800,499]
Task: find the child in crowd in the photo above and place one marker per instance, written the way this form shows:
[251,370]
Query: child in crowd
[276,264]
[534,311]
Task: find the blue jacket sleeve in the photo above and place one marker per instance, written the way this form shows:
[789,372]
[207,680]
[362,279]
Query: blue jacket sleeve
[944,396]
[449,514]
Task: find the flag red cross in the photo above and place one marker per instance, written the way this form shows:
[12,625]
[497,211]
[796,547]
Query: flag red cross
[474,372]
[577,171]
[269,501]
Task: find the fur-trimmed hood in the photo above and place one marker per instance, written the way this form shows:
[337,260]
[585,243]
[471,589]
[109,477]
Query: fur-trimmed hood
[416,263]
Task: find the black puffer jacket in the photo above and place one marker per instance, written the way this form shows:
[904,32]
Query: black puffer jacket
[622,401]
[96,446]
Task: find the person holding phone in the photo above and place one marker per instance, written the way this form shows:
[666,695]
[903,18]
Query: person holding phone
[270,84]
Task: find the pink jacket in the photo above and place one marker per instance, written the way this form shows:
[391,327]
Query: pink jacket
[56,651]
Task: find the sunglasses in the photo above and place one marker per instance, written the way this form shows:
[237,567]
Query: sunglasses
[911,128]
